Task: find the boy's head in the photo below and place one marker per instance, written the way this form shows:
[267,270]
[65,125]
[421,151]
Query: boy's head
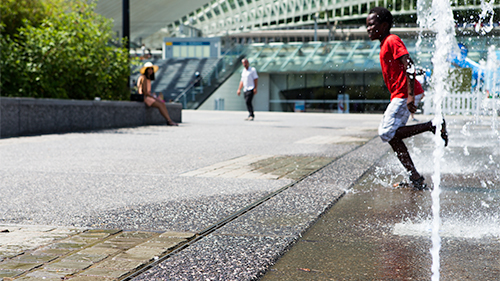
[383,15]
[378,23]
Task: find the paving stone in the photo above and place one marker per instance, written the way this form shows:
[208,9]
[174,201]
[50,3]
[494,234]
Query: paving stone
[174,234]
[44,274]
[116,245]
[166,245]
[297,174]
[31,228]
[20,239]
[250,175]
[223,169]
[136,234]
[82,240]
[69,246]
[318,164]
[35,258]
[125,240]
[37,279]
[269,169]
[68,265]
[269,177]
[52,252]
[102,272]
[9,273]
[107,231]
[264,162]
[8,254]
[263,167]
[216,173]
[235,173]
[98,235]
[120,264]
[92,278]
[86,257]
[26,266]
[94,250]
[142,254]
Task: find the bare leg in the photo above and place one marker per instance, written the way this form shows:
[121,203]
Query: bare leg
[401,150]
[164,112]
[409,131]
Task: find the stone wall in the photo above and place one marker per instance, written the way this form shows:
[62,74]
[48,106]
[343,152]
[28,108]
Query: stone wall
[29,116]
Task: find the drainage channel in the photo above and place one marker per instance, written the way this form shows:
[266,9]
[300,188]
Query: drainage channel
[202,234]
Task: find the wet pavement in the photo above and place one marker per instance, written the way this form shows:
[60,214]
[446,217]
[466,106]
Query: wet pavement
[219,198]
[380,232]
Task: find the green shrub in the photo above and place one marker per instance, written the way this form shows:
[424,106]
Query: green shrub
[66,54]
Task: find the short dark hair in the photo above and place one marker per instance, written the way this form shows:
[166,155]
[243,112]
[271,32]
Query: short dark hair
[383,15]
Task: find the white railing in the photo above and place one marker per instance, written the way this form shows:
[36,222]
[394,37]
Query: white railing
[463,103]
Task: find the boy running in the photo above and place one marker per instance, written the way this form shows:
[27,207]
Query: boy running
[398,71]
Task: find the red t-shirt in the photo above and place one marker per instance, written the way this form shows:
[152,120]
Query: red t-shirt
[391,49]
[418,88]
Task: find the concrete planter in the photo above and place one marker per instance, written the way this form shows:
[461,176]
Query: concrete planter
[29,116]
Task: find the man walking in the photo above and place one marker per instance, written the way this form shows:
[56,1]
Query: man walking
[249,84]
[398,71]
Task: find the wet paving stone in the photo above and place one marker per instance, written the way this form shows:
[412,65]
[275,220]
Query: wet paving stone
[67,245]
[263,167]
[9,273]
[69,265]
[141,254]
[92,255]
[92,278]
[17,265]
[49,274]
[51,252]
[174,234]
[86,257]
[162,243]
[35,258]
[121,264]
[111,274]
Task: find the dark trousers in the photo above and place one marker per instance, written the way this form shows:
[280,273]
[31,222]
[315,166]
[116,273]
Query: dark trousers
[248,100]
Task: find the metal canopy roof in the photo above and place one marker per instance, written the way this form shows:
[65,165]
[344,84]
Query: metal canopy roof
[348,56]
[147,17]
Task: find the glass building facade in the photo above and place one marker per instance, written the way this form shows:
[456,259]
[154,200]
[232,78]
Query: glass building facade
[318,72]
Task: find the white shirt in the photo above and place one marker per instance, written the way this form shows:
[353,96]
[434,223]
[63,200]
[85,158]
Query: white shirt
[247,77]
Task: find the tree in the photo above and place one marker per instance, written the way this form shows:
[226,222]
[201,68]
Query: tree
[67,54]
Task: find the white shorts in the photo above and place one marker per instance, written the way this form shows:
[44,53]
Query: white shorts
[418,98]
[396,115]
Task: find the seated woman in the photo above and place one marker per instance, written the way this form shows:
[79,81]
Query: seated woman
[144,88]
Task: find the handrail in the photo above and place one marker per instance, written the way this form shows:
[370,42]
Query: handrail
[208,77]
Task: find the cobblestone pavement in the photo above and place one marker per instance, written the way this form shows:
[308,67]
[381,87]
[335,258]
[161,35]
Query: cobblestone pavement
[55,253]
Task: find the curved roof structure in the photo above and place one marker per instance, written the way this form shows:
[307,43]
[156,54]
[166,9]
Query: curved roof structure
[148,19]
[221,17]
[152,20]
[348,56]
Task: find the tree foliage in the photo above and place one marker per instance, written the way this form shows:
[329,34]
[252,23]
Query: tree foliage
[62,51]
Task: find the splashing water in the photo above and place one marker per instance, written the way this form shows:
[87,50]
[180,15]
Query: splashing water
[485,16]
[437,16]
[491,83]
[440,20]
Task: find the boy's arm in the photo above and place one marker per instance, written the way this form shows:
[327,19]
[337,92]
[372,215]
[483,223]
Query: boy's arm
[410,78]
